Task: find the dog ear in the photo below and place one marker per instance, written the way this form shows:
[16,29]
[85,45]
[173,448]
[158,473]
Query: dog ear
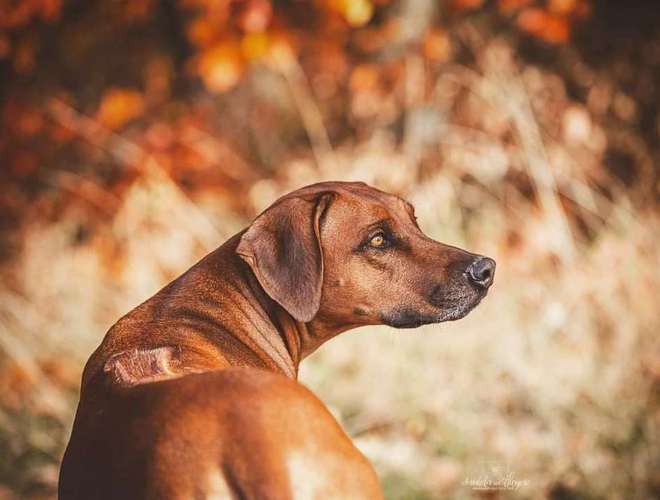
[138,366]
[283,249]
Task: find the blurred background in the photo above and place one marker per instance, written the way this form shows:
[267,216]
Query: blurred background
[137,135]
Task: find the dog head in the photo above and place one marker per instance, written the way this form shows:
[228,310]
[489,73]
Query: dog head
[352,255]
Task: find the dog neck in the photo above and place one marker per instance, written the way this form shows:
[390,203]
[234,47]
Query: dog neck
[300,339]
[222,301]
[215,315]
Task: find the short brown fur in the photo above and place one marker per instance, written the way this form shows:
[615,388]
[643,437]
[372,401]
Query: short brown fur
[193,393]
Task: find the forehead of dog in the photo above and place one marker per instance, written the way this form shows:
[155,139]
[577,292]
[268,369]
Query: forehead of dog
[361,200]
[283,246]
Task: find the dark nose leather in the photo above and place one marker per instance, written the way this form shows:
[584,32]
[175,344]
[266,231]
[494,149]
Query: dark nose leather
[481,272]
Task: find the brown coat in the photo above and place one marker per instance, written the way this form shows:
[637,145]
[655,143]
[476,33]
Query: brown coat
[193,394]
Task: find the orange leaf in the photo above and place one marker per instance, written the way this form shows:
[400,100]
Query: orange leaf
[508,7]
[541,24]
[119,106]
[356,12]
[437,46]
[50,9]
[221,66]
[254,45]
[281,53]
[364,77]
[254,15]
[201,32]
[562,7]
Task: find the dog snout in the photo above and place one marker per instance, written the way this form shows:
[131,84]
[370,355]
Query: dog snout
[481,272]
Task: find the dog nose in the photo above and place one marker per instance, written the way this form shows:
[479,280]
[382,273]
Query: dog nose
[482,272]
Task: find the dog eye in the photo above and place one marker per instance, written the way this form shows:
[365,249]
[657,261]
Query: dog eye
[378,241]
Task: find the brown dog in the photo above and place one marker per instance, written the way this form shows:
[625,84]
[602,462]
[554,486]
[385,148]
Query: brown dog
[193,393]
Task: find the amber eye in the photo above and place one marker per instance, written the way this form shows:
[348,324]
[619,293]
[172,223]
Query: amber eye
[377,241]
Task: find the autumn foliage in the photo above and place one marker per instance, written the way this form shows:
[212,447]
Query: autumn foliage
[65,52]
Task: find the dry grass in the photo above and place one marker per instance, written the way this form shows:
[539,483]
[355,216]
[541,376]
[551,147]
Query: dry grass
[554,378]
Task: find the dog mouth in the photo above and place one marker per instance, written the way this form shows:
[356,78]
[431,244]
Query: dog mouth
[450,307]
[461,308]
